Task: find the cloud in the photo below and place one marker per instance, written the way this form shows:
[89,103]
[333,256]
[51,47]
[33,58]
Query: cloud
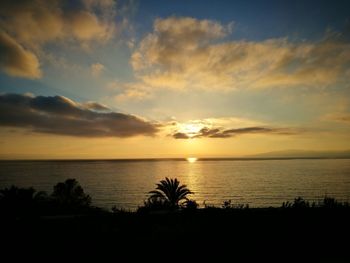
[207,132]
[251,130]
[221,128]
[129,91]
[86,26]
[187,53]
[38,22]
[33,24]
[63,116]
[342,117]
[91,105]
[133,95]
[181,135]
[172,37]
[15,60]
[96,69]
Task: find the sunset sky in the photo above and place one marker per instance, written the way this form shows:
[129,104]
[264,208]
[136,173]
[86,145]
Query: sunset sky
[147,79]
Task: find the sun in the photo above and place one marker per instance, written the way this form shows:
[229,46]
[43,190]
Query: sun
[191,159]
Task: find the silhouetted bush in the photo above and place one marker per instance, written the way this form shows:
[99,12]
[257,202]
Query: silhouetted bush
[15,201]
[67,197]
[330,202]
[286,204]
[154,204]
[190,205]
[327,202]
[70,194]
[298,203]
[208,206]
[227,204]
[117,210]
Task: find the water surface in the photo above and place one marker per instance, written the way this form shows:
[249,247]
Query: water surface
[125,183]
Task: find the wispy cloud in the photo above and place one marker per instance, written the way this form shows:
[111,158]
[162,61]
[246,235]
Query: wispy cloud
[96,69]
[228,133]
[187,53]
[342,117]
[63,116]
[129,91]
[223,128]
[133,95]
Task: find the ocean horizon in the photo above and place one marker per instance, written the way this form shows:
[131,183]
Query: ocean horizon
[125,183]
[171,159]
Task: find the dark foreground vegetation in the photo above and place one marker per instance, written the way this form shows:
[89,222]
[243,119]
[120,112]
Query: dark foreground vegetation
[169,227]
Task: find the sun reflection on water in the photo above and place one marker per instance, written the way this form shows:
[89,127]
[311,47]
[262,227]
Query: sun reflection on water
[191,159]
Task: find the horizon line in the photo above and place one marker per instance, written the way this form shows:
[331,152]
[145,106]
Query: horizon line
[184,159]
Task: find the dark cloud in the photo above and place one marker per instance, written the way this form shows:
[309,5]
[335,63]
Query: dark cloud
[180,135]
[60,115]
[207,132]
[220,133]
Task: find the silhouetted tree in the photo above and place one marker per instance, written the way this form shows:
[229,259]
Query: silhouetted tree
[70,194]
[16,194]
[15,200]
[171,192]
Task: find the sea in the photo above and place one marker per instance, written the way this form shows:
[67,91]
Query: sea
[125,184]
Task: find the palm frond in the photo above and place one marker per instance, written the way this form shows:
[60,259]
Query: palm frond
[171,190]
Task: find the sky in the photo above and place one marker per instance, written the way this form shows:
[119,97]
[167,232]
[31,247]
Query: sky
[153,79]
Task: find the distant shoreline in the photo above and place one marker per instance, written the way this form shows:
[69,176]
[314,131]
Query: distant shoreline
[178,159]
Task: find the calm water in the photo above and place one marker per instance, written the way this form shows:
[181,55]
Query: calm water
[126,183]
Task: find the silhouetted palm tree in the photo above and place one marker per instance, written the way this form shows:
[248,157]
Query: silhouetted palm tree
[171,191]
[70,193]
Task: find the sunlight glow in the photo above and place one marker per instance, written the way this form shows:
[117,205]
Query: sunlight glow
[191,129]
[191,159]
